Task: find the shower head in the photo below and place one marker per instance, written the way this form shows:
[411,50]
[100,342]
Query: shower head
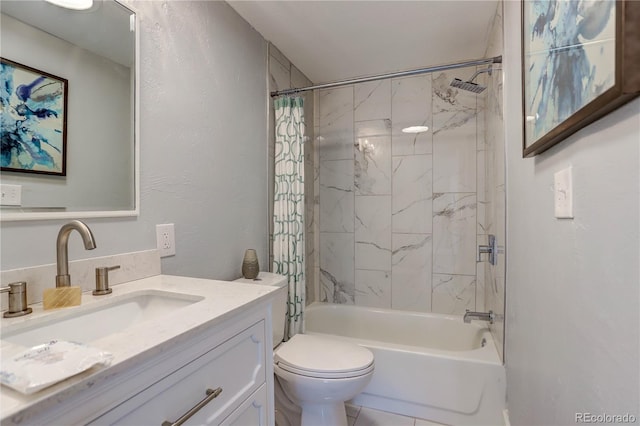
[469,85]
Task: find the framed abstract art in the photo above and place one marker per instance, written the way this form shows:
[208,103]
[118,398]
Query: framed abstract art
[580,61]
[34,120]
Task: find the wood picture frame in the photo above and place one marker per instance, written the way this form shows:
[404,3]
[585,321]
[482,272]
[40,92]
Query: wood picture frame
[34,120]
[580,61]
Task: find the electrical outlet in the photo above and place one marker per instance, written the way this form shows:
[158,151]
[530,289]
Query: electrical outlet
[11,195]
[166,240]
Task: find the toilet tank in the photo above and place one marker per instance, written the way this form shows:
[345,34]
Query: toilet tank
[279,304]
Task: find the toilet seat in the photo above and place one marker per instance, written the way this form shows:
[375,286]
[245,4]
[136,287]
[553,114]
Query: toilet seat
[321,357]
[324,374]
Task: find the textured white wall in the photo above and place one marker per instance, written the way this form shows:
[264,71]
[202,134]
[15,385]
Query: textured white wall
[203,148]
[573,286]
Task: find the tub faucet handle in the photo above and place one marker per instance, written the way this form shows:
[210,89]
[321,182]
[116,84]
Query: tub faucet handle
[491,249]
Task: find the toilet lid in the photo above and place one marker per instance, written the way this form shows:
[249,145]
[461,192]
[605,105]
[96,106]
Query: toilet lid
[323,357]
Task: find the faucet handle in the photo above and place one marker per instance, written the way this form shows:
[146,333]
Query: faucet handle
[491,249]
[102,280]
[17,299]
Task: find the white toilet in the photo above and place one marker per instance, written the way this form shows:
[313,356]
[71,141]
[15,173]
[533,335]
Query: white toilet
[314,374]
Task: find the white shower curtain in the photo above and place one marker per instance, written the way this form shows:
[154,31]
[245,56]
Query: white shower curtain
[288,206]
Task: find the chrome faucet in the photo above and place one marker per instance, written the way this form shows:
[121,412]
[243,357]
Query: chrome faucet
[483,316]
[63,279]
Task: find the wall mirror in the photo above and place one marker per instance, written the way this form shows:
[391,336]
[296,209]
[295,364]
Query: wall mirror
[94,51]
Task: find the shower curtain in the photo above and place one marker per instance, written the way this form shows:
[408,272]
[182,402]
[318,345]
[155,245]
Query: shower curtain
[288,207]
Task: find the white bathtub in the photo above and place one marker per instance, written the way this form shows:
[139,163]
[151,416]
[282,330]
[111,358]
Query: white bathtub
[429,366]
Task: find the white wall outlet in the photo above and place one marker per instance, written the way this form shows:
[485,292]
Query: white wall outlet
[563,194]
[11,195]
[166,240]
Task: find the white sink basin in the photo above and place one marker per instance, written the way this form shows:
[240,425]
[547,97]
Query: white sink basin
[88,323]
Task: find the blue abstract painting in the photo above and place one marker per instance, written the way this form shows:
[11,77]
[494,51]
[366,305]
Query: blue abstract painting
[569,50]
[33,120]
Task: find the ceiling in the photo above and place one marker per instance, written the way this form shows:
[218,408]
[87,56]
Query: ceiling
[336,40]
[103,29]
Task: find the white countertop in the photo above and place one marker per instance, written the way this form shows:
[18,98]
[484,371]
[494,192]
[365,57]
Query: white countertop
[145,340]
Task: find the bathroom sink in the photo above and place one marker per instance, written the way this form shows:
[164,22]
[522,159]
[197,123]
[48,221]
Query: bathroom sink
[86,324]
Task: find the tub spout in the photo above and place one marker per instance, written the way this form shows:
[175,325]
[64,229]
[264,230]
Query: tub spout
[483,316]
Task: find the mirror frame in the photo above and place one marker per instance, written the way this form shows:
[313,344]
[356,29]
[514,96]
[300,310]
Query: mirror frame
[44,215]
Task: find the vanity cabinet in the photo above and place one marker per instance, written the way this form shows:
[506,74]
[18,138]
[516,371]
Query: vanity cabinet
[231,373]
[232,358]
[253,410]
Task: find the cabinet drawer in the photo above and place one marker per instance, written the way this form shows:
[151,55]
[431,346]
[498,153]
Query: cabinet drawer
[252,412]
[237,366]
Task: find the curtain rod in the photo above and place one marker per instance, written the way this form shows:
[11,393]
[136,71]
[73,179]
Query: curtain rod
[494,60]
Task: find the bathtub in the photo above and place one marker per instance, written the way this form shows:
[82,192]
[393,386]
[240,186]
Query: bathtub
[429,366]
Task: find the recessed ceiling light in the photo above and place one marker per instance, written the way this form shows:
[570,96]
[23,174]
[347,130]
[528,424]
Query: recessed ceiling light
[73,4]
[415,129]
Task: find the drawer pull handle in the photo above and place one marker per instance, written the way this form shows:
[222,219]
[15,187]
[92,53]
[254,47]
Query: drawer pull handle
[211,395]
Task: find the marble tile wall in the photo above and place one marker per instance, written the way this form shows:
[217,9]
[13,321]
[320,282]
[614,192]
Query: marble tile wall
[336,182]
[316,199]
[494,193]
[284,75]
[495,276]
[399,213]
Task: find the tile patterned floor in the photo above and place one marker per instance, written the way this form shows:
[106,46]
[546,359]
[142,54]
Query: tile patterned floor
[363,416]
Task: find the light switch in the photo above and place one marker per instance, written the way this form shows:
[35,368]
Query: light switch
[563,194]
[11,195]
